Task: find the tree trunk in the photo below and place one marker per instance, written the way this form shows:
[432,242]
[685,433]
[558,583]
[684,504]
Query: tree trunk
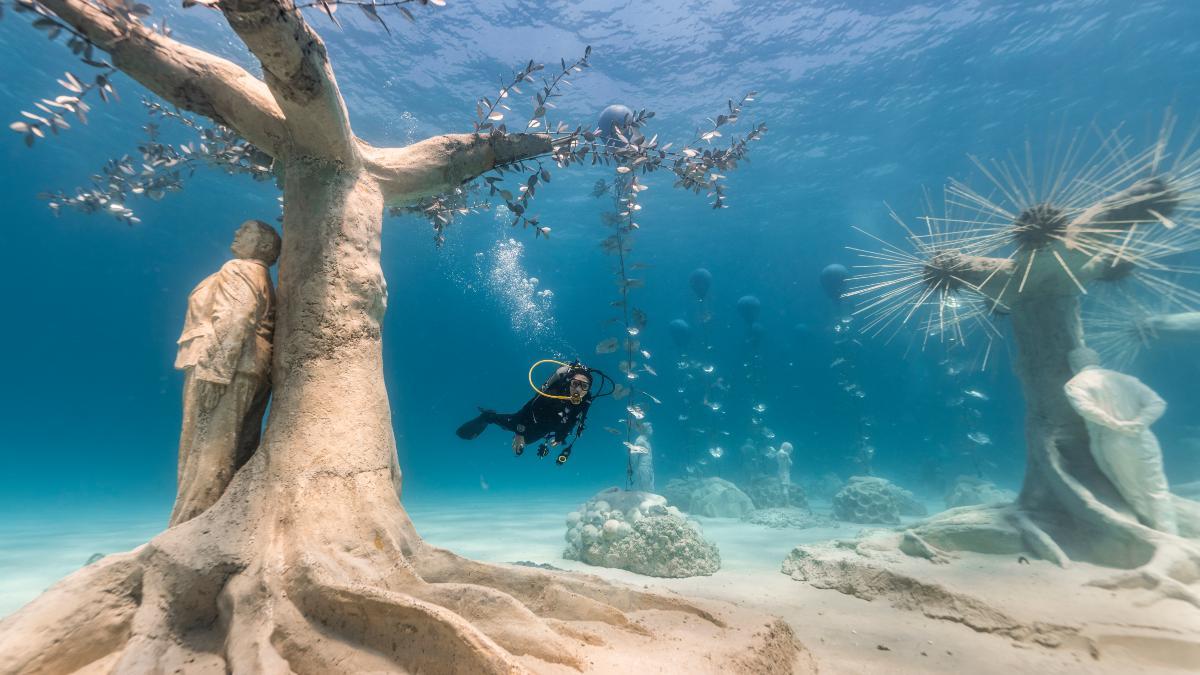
[1046,327]
[330,426]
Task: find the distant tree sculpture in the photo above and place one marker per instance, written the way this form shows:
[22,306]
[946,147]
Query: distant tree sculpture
[1120,331]
[308,562]
[1029,252]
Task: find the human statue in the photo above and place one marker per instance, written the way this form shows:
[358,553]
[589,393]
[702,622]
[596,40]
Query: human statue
[643,462]
[783,456]
[225,354]
[1118,410]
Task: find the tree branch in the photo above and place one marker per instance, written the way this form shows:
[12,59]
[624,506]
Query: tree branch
[438,164]
[1099,243]
[187,77]
[297,71]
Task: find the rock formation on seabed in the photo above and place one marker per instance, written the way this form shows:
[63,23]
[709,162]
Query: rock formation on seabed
[637,531]
[972,491]
[874,500]
[712,497]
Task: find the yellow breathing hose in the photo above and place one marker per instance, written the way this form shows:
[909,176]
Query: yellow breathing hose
[536,388]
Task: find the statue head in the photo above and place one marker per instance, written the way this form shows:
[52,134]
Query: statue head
[1083,357]
[257,240]
[786,448]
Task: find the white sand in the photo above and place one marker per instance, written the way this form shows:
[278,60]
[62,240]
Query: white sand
[39,548]
[844,633]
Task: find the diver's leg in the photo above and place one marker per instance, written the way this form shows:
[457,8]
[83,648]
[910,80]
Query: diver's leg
[472,428]
[507,422]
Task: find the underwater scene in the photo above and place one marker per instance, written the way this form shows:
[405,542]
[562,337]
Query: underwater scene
[599,336]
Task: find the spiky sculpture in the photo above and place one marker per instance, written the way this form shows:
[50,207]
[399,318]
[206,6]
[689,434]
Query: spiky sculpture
[1030,251]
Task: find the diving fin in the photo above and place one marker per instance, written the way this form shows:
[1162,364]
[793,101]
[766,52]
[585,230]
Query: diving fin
[472,428]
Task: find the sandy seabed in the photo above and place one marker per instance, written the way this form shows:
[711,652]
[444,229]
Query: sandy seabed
[845,634]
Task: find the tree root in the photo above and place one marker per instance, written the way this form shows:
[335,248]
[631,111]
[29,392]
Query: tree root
[83,619]
[1039,543]
[1163,563]
[181,604]
[1174,565]
[1163,587]
[912,544]
[561,596]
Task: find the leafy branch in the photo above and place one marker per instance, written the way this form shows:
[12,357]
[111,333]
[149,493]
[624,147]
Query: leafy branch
[161,167]
[368,7]
[489,119]
[625,189]
[53,111]
[440,210]
[696,168]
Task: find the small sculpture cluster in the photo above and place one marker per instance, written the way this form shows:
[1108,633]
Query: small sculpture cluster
[971,491]
[712,497]
[637,531]
[870,499]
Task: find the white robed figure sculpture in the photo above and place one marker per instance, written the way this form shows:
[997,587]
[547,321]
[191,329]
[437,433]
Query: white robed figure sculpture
[225,354]
[1118,410]
[643,462]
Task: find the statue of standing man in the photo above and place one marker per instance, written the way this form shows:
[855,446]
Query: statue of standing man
[225,354]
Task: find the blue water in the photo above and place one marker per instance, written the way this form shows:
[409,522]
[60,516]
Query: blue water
[867,103]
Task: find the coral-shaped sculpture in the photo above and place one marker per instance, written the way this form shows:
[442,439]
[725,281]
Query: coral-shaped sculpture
[717,497]
[867,499]
[665,546]
[637,531]
[678,492]
[713,497]
[969,491]
[769,492]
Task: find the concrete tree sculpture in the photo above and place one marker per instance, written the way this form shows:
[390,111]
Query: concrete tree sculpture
[308,562]
[1028,251]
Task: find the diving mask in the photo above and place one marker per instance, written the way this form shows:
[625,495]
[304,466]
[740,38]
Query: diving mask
[579,389]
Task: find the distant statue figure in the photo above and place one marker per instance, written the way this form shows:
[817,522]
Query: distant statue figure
[1119,410]
[643,463]
[784,458]
[225,354]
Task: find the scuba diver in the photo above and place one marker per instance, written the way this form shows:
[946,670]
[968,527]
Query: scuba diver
[559,409]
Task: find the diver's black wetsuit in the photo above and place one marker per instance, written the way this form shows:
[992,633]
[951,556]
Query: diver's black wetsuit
[541,417]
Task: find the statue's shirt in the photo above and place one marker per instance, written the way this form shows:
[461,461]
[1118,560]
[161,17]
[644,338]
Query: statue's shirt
[229,324]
